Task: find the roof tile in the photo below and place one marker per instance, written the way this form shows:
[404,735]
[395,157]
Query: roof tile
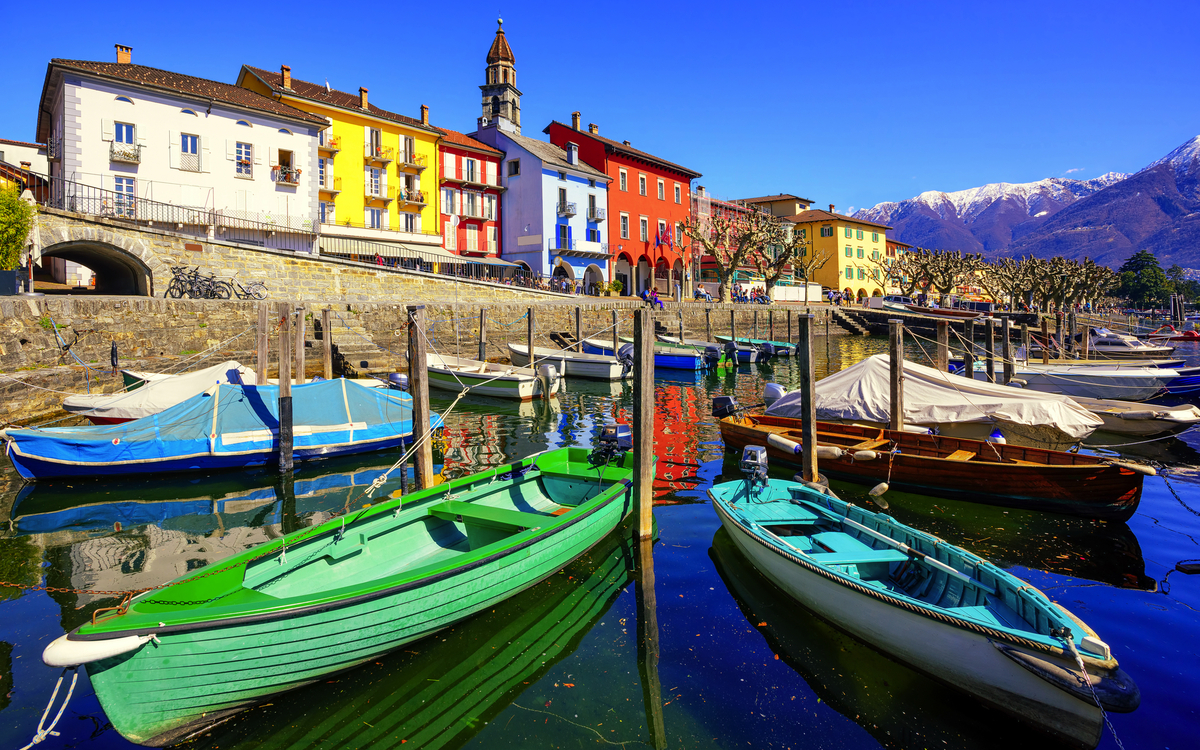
[621,148]
[319,93]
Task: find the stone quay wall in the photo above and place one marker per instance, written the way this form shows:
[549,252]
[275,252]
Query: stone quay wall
[54,346]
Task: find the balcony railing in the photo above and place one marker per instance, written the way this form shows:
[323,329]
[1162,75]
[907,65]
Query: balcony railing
[285,175]
[557,243]
[380,192]
[472,212]
[129,153]
[416,197]
[54,148]
[596,214]
[189,162]
[565,209]
[385,154]
[416,161]
[330,143]
[332,185]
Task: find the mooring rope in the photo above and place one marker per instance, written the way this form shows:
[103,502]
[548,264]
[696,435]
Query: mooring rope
[43,733]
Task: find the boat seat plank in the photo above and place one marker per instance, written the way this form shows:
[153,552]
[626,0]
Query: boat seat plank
[840,542]
[780,513]
[869,445]
[860,558]
[960,456]
[1025,463]
[452,509]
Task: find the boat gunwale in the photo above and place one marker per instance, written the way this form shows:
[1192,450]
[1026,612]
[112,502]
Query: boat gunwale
[555,524]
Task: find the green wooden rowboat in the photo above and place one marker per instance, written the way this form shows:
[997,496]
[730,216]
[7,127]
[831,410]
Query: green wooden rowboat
[328,598]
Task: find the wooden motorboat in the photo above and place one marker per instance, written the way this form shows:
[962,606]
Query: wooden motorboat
[973,470]
[934,606]
[573,364]
[324,599]
[665,356]
[490,379]
[772,348]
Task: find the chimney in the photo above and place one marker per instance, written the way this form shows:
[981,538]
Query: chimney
[25,165]
[700,191]
[575,119]
[831,209]
[286,73]
[362,97]
[572,153]
[424,115]
[593,128]
[627,143]
[124,54]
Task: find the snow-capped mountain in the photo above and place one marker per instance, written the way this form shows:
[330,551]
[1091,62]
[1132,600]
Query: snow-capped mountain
[982,219]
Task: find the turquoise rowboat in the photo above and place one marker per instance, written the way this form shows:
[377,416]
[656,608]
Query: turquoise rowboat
[926,603]
[324,599]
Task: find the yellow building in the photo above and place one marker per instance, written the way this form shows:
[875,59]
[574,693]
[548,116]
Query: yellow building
[855,248]
[377,170]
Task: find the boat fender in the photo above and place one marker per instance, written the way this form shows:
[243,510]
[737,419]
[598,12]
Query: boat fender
[787,446]
[1141,414]
[1149,471]
[63,652]
[1018,383]
[879,489]
[831,452]
[865,455]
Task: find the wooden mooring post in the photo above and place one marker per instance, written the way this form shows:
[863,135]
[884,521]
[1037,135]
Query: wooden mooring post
[733,325]
[326,345]
[418,388]
[300,332]
[681,327]
[1006,349]
[896,355]
[808,397]
[483,334]
[771,325]
[285,389]
[708,324]
[1072,322]
[264,342]
[648,642]
[643,420]
[1045,341]
[530,330]
[789,326]
[578,329]
[616,333]
[969,350]
[989,352]
[756,324]
[943,346]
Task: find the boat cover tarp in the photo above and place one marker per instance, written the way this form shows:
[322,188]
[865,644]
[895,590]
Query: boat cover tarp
[863,393]
[159,394]
[228,421]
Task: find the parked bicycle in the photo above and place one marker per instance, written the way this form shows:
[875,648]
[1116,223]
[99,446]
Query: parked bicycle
[253,290]
[191,283]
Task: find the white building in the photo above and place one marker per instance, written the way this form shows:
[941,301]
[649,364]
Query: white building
[172,138]
[17,152]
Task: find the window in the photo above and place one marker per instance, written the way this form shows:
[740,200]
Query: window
[678,235]
[662,231]
[321,172]
[562,176]
[562,199]
[374,142]
[874,236]
[849,252]
[678,193]
[469,172]
[125,99]
[447,200]
[641,184]
[862,274]
[644,225]
[123,133]
[849,273]
[826,231]
[374,218]
[624,180]
[327,212]
[191,112]
[803,233]
[451,237]
[874,255]
[624,226]
[489,207]
[860,252]
[662,190]
[472,239]
[243,123]
[514,167]
[126,199]
[285,131]
[245,159]
[374,180]
[491,231]
[411,222]
[591,183]
[564,237]
[472,204]
[849,232]
[189,155]
[859,233]
[593,235]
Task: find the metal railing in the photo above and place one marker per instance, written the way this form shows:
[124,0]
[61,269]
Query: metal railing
[129,153]
[331,143]
[285,175]
[557,243]
[379,153]
[54,149]
[379,192]
[189,162]
[597,214]
[412,196]
[332,185]
[413,160]
[565,209]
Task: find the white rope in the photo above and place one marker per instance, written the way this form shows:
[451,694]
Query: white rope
[43,733]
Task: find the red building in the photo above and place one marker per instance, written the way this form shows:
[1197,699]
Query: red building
[647,201]
[469,200]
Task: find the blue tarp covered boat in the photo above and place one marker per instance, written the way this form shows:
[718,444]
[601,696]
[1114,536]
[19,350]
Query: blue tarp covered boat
[225,427]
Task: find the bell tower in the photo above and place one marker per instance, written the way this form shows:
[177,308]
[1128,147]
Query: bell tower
[501,98]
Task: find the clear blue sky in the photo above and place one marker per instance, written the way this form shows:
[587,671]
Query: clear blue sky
[842,102]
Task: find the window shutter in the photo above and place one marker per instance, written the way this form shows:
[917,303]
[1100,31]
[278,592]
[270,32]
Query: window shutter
[387,219]
[257,154]
[383,180]
[230,149]
[106,130]
[173,149]
[205,157]
[367,139]
[448,165]
[329,171]
[273,155]
[137,133]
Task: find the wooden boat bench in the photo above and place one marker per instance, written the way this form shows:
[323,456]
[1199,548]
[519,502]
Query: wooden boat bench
[457,510]
[868,445]
[960,456]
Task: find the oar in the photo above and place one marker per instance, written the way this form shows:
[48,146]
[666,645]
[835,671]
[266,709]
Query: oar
[920,556]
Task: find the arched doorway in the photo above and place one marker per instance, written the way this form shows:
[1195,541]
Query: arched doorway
[117,271]
[662,278]
[592,276]
[643,275]
[677,278]
[877,292]
[862,293]
[623,272]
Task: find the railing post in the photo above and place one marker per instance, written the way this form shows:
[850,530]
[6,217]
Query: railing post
[808,395]
[643,419]
[326,344]
[285,389]
[418,388]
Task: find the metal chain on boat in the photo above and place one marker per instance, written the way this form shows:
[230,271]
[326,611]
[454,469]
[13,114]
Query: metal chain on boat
[1177,497]
[1069,646]
[44,732]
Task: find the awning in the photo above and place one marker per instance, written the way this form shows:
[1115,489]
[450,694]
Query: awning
[428,253]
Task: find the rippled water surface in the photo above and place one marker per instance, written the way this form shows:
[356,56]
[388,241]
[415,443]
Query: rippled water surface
[562,665]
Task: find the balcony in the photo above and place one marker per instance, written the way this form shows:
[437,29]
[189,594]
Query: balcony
[385,193]
[379,154]
[331,185]
[413,161]
[565,209]
[189,162]
[54,149]
[330,144]
[596,214]
[559,245]
[410,198]
[473,212]
[285,175]
[127,153]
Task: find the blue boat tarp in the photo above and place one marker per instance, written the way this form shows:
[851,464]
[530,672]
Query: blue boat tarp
[229,425]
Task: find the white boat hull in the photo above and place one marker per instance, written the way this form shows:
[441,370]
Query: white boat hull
[488,379]
[1093,382]
[961,658]
[571,364]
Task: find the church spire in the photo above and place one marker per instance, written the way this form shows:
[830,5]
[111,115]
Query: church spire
[501,99]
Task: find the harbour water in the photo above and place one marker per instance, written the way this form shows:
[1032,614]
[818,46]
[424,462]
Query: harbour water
[565,664]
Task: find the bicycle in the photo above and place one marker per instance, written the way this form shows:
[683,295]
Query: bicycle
[253,290]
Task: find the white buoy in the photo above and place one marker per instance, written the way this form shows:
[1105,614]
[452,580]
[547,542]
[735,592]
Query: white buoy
[831,452]
[879,489]
[997,437]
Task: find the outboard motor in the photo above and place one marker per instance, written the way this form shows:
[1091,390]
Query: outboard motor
[548,376]
[613,440]
[398,381]
[731,352]
[724,406]
[754,466]
[768,350]
[772,392]
[625,359]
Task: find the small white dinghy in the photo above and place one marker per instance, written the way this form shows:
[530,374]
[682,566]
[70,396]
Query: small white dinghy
[158,393]
[490,379]
[573,364]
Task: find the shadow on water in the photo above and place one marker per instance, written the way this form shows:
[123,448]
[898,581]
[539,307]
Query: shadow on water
[899,707]
[441,691]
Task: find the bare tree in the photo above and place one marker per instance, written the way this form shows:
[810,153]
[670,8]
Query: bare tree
[731,239]
[787,246]
[901,271]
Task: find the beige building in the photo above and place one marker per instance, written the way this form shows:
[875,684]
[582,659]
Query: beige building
[781,205]
[855,247]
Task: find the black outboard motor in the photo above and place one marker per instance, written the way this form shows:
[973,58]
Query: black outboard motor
[712,355]
[731,352]
[725,406]
[625,359]
[613,440]
[754,465]
[767,350]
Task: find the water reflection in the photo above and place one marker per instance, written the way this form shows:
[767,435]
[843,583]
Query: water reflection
[441,691]
[898,706]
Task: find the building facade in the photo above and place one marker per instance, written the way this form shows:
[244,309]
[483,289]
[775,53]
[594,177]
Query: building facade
[856,250]
[17,153]
[141,133]
[469,202]
[783,204]
[649,198]
[376,170]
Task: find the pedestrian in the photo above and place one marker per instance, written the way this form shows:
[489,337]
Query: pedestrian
[654,300]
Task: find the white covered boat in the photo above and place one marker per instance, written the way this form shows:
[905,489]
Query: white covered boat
[1107,344]
[574,364]
[1090,381]
[490,379]
[158,392]
[1141,420]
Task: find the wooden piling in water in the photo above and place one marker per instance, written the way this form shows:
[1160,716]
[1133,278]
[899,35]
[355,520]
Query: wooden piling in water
[530,330]
[789,326]
[285,389]
[756,324]
[969,351]
[300,326]
[732,325]
[990,352]
[708,324]
[648,643]
[264,341]
[808,397]
[943,346]
[1006,350]
[643,419]
[578,330]
[483,334]
[896,355]
[681,326]
[326,345]
[418,388]
[1045,341]
[616,332]
[771,324]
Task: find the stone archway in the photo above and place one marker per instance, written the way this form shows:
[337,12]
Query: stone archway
[122,264]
